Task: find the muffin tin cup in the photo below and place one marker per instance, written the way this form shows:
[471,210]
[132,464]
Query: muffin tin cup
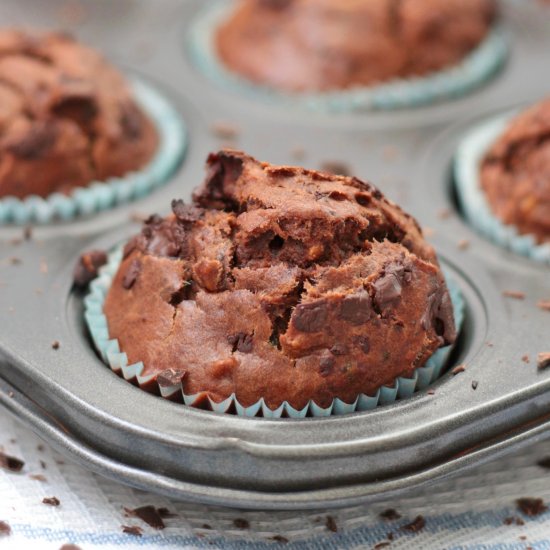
[474,70]
[112,354]
[99,196]
[473,201]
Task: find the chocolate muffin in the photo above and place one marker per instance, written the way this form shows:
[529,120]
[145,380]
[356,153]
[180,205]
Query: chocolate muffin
[515,173]
[321,45]
[67,117]
[282,283]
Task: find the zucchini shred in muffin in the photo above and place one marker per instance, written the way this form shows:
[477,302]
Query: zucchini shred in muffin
[282,284]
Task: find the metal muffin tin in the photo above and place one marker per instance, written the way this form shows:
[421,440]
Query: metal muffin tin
[70,398]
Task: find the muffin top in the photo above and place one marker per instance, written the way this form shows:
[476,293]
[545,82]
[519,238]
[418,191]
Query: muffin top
[515,173]
[320,45]
[67,117]
[282,283]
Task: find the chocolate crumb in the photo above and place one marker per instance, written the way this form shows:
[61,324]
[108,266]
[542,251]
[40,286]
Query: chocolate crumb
[531,506]
[390,514]
[70,547]
[463,244]
[544,305]
[42,464]
[389,536]
[458,369]
[515,294]
[279,538]
[513,520]
[416,525]
[38,477]
[543,360]
[11,463]
[164,513]
[475,384]
[298,152]
[55,344]
[335,168]
[14,260]
[522,537]
[241,523]
[206,526]
[330,524]
[51,501]
[27,233]
[444,213]
[383,544]
[431,391]
[544,463]
[132,530]
[5,529]
[87,267]
[224,130]
[148,514]
[525,358]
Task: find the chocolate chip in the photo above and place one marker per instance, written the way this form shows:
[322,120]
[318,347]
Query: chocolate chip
[390,514]
[132,530]
[363,343]
[330,524]
[241,523]
[11,463]
[338,349]
[326,365]
[87,267]
[356,308]
[388,288]
[38,141]
[131,120]
[531,506]
[310,317]
[149,514]
[51,501]
[170,377]
[416,525]
[338,196]
[5,529]
[186,213]
[241,342]
[543,360]
[131,275]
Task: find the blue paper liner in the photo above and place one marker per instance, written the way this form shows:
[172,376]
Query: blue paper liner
[98,196]
[473,201]
[117,360]
[475,69]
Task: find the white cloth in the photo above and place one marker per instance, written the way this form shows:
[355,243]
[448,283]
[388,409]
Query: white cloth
[467,512]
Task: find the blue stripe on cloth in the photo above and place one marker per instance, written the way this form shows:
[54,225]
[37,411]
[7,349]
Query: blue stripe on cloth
[366,534]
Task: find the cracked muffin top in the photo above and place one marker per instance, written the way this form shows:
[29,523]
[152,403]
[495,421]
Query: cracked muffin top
[320,45]
[279,283]
[515,173]
[67,117]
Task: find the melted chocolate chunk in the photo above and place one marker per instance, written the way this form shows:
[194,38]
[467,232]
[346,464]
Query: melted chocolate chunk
[356,309]
[131,275]
[310,317]
[170,377]
[388,288]
[40,138]
[241,342]
[87,267]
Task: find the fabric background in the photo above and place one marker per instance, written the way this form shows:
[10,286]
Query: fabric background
[468,512]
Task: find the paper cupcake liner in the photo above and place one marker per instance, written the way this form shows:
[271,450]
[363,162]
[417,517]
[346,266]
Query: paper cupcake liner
[475,69]
[473,201]
[117,360]
[98,196]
